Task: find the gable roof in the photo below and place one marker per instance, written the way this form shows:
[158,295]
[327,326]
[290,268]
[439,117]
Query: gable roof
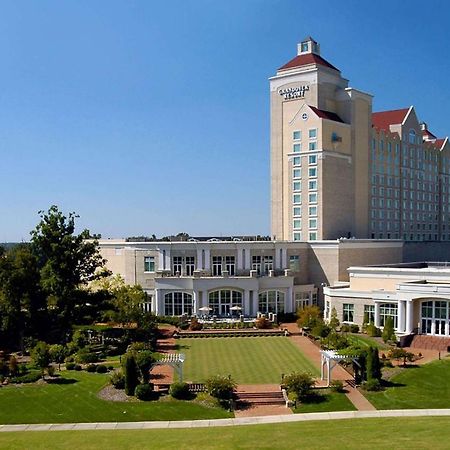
[439,143]
[306,59]
[383,119]
[326,114]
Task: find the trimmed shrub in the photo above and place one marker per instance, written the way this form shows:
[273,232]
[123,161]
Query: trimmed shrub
[337,386]
[345,328]
[130,373]
[118,379]
[373,365]
[31,377]
[372,330]
[101,368]
[372,385]
[300,383]
[86,357]
[77,367]
[388,330]
[144,392]
[91,368]
[144,361]
[262,323]
[221,387]
[321,330]
[70,366]
[179,391]
[195,325]
[354,328]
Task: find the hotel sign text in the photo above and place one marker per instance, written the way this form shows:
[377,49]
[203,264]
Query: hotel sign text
[293,92]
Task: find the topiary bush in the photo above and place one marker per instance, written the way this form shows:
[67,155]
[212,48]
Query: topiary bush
[144,392]
[101,368]
[70,366]
[372,330]
[130,372]
[221,387]
[91,368]
[179,391]
[118,379]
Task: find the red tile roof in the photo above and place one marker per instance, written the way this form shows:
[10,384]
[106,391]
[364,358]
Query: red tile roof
[304,60]
[429,134]
[383,119]
[326,114]
[439,143]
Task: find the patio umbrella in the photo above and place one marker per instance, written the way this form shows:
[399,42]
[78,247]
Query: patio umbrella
[236,308]
[205,308]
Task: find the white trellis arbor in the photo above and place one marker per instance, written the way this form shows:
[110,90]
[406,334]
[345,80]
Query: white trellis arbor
[329,360]
[174,360]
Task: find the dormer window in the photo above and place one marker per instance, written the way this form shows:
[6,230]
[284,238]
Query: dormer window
[304,47]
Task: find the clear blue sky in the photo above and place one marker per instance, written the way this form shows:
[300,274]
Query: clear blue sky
[153,117]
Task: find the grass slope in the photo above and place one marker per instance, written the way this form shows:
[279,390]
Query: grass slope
[424,386]
[259,360]
[389,433]
[76,401]
[325,402]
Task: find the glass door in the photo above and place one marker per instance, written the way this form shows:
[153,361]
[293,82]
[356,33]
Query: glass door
[426,326]
[439,327]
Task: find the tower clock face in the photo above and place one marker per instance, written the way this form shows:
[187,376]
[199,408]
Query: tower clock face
[305,116]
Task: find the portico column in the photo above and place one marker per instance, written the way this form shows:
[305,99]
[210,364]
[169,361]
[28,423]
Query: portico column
[409,317]
[246,303]
[158,302]
[377,314]
[288,302]
[401,317]
[195,303]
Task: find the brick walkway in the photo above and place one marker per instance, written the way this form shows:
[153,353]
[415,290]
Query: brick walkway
[313,353]
[163,375]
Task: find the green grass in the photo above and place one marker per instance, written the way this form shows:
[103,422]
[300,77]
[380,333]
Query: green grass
[366,341]
[259,360]
[424,386]
[388,433]
[77,401]
[326,401]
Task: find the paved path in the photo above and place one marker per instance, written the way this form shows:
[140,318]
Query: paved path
[227,422]
[312,352]
[164,374]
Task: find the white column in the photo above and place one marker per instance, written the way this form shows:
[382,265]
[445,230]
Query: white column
[195,302]
[246,302]
[207,259]
[199,265]
[288,301]
[409,317]
[158,306]
[278,252]
[284,259]
[168,265]
[160,259]
[247,259]
[446,328]
[401,316]
[239,262]
[377,314]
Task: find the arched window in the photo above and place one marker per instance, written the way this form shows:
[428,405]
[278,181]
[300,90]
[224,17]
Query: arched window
[412,137]
[224,302]
[271,301]
[177,304]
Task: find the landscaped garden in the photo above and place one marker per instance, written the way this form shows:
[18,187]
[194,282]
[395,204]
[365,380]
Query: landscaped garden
[72,397]
[387,433]
[248,360]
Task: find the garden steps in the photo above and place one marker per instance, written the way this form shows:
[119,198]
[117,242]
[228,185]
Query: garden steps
[430,343]
[263,394]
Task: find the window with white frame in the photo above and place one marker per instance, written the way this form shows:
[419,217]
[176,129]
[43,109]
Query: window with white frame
[313,210]
[312,224]
[369,313]
[312,146]
[312,172]
[312,185]
[302,300]
[189,265]
[388,310]
[312,133]
[217,266]
[294,263]
[296,161]
[297,148]
[312,159]
[297,236]
[230,265]
[312,197]
[297,211]
[149,263]
[313,236]
[297,224]
[271,301]
[297,173]
[348,310]
[177,304]
[268,264]
[256,264]
[177,265]
[297,135]
[297,199]
[297,186]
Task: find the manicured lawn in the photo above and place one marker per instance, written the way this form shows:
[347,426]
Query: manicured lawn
[325,402]
[259,360]
[366,341]
[426,386]
[75,400]
[389,433]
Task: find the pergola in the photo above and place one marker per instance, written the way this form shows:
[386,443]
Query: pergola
[329,360]
[174,360]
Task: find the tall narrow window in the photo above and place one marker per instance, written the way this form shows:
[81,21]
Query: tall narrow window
[177,265]
[149,264]
[217,266]
[190,265]
[230,265]
[256,264]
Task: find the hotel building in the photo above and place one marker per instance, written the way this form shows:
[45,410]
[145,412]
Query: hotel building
[340,170]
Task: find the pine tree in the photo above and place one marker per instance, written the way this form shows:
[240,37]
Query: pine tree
[334,321]
[131,374]
[388,330]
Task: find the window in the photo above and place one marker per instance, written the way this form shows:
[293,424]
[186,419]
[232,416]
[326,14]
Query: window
[177,304]
[268,264]
[297,199]
[297,211]
[222,301]
[312,172]
[304,46]
[347,312]
[312,197]
[313,210]
[297,236]
[302,300]
[312,133]
[297,135]
[177,265]
[312,223]
[312,185]
[297,173]
[313,236]
[312,146]
[388,310]
[230,265]
[256,264]
[271,301]
[369,313]
[297,186]
[297,161]
[297,148]
[190,265]
[297,223]
[217,266]
[312,159]
[412,137]
[294,263]
[149,264]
